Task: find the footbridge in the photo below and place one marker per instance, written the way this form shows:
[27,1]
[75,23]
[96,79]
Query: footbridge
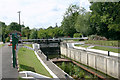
[52,40]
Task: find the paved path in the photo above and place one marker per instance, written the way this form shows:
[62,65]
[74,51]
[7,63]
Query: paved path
[1,42]
[8,72]
[58,72]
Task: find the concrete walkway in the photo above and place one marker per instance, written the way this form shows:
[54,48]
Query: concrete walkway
[56,70]
[7,72]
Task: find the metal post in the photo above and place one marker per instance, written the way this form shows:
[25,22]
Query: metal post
[108,53]
[13,50]
[19,19]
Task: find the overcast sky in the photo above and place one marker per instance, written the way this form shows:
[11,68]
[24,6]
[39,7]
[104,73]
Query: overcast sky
[37,13]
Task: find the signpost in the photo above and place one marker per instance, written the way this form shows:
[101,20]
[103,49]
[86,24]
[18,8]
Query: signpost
[14,45]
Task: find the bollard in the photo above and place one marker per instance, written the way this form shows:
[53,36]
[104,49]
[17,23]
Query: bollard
[108,53]
[47,58]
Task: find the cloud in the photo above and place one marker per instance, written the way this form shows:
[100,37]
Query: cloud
[36,13]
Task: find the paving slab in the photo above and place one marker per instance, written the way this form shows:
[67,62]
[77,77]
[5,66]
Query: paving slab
[8,72]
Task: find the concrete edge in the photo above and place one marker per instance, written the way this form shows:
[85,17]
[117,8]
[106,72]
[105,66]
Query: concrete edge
[96,50]
[33,74]
[52,74]
[60,69]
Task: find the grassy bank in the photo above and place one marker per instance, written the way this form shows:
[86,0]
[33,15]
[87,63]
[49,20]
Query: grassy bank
[29,45]
[107,49]
[81,45]
[103,43]
[100,48]
[29,62]
[1,45]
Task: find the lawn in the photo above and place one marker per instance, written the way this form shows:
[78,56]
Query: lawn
[100,48]
[23,37]
[107,49]
[29,45]
[29,62]
[1,45]
[103,43]
[81,45]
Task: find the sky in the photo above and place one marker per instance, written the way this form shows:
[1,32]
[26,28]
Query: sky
[37,13]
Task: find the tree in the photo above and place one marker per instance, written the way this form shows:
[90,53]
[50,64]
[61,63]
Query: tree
[33,34]
[3,34]
[69,20]
[42,34]
[105,19]
[82,24]
[25,32]
[14,26]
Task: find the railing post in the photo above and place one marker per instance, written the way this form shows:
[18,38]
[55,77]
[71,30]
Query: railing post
[108,53]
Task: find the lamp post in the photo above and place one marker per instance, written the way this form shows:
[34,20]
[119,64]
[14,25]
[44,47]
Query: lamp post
[19,18]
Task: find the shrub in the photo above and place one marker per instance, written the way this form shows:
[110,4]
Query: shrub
[96,37]
[7,39]
[77,35]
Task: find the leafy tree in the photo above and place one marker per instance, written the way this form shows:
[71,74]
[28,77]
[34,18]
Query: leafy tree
[83,24]
[105,19]
[69,20]
[33,34]
[2,31]
[42,34]
[25,32]
[14,26]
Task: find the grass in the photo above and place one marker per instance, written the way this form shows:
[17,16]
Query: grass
[100,48]
[101,42]
[1,45]
[23,37]
[106,49]
[81,45]
[29,45]
[29,62]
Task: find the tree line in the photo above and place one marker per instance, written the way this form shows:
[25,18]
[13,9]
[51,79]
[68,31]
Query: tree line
[102,20]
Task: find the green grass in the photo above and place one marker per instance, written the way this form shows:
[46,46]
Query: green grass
[23,37]
[101,42]
[81,45]
[1,45]
[29,62]
[29,45]
[100,48]
[106,49]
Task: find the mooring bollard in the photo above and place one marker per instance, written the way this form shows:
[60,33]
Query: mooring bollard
[47,58]
[108,53]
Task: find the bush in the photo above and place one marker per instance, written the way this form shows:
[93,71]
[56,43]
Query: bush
[96,37]
[77,35]
[7,39]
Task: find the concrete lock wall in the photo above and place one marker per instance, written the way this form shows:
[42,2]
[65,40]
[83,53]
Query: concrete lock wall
[105,64]
[91,60]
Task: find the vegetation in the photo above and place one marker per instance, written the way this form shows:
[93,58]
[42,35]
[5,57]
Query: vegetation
[1,45]
[29,45]
[116,50]
[29,62]
[75,71]
[85,46]
[103,43]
